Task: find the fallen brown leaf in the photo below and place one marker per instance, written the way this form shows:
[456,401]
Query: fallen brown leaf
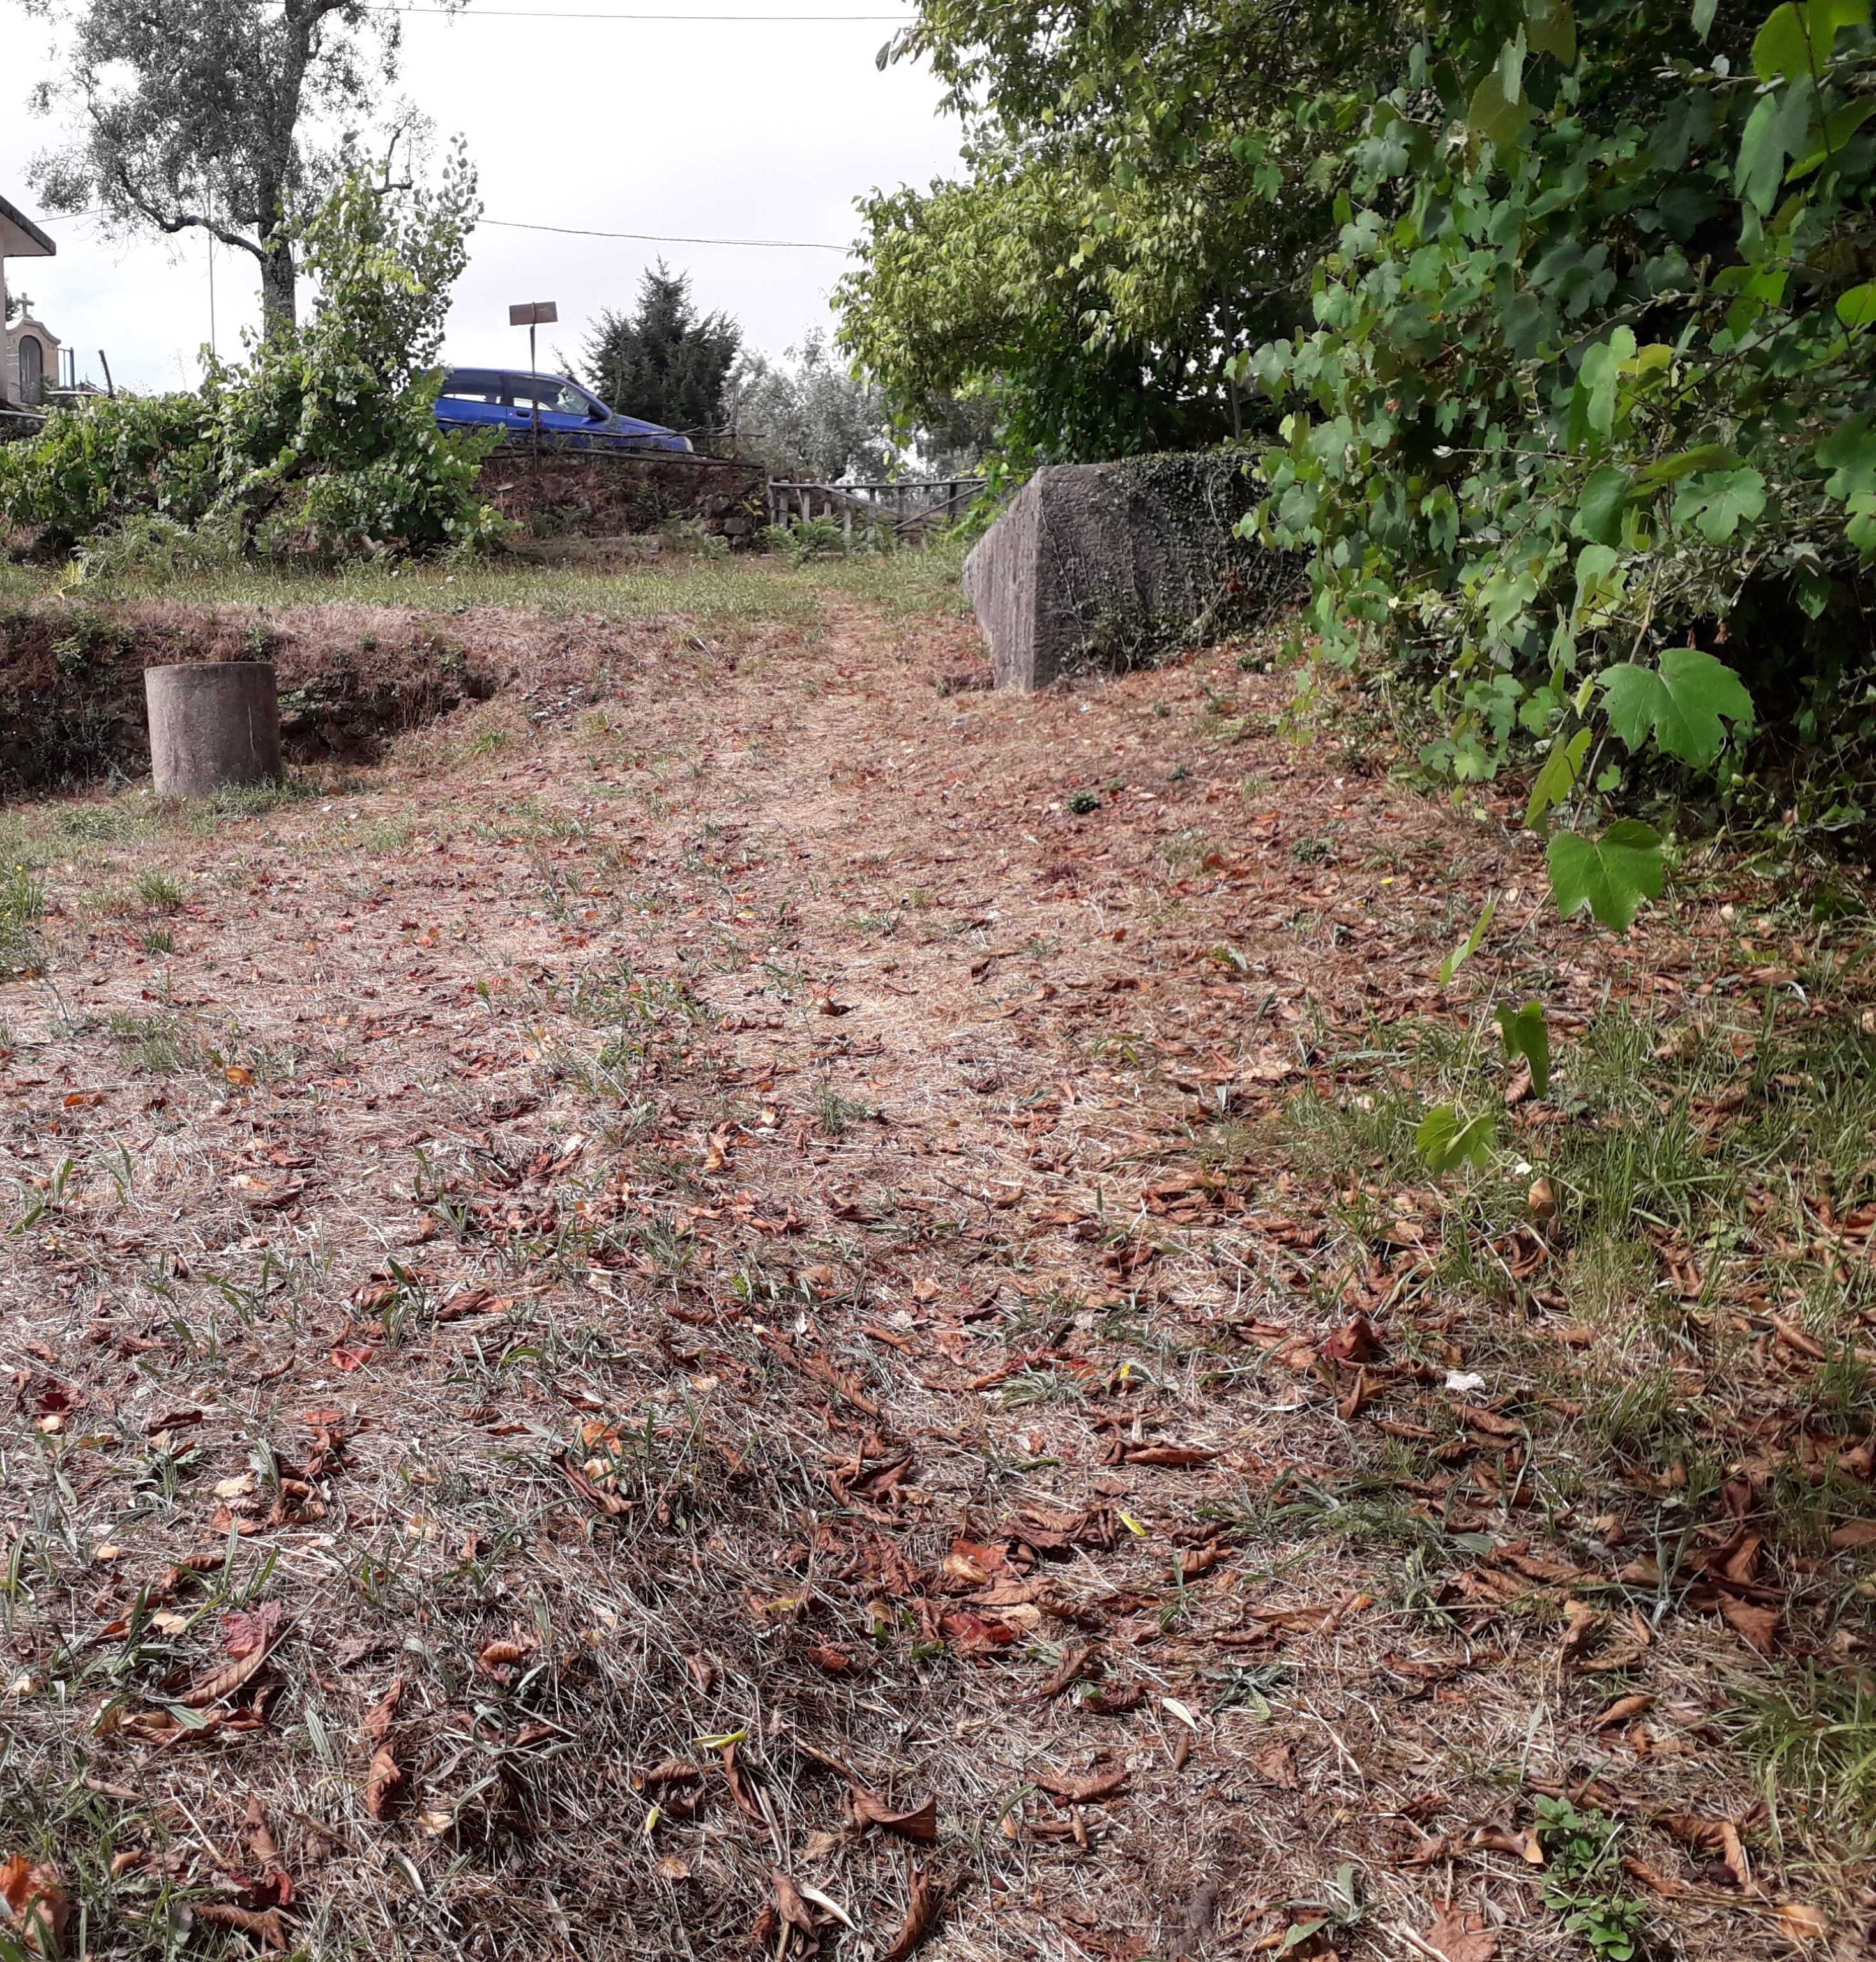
[1177,1456]
[1733,1851]
[1461,1937]
[498,1659]
[37,1902]
[789,1905]
[379,1719]
[223,1682]
[382,1781]
[673,1771]
[1086,1791]
[1075,1663]
[1276,1764]
[246,1632]
[1621,1710]
[1758,1625]
[264,1925]
[921,1910]
[1355,1341]
[920,1824]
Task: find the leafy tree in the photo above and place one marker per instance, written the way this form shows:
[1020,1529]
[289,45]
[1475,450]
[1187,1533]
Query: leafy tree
[324,442]
[1143,202]
[664,361]
[810,417]
[205,114]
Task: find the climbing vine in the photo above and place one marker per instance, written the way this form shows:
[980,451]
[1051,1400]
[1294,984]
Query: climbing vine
[1581,437]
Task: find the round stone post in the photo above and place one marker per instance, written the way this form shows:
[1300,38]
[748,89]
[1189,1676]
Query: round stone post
[213,725]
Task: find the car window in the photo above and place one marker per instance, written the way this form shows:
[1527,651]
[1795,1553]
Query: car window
[472,384]
[555,397]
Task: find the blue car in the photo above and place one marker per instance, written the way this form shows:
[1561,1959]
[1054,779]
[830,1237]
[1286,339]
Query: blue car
[480,398]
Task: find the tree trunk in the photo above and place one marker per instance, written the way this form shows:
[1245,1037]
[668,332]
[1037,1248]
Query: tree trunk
[279,301]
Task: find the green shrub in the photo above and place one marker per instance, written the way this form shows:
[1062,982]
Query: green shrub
[110,464]
[324,442]
[1581,438]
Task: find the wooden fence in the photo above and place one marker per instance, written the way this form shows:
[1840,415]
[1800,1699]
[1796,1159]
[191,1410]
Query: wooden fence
[909,508]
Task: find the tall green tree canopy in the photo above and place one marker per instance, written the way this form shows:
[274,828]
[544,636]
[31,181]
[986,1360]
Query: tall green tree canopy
[664,361]
[226,116]
[1143,200]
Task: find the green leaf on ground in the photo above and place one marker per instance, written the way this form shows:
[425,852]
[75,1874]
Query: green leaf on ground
[1469,945]
[1446,1139]
[1527,1034]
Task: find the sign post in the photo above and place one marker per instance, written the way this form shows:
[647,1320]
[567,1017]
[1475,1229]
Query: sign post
[539,314]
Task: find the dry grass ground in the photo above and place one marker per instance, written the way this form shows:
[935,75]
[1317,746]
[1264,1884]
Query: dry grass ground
[751,1302]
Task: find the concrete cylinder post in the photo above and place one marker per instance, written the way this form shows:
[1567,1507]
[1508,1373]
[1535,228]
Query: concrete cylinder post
[214,725]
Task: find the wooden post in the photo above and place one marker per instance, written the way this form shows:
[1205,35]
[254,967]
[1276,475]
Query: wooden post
[846,529]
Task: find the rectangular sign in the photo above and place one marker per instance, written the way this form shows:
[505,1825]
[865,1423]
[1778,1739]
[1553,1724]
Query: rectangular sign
[543,313]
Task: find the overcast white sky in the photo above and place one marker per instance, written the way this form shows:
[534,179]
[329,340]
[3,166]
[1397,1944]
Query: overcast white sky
[733,130]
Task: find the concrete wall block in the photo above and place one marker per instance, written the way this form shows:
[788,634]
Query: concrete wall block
[1103,566]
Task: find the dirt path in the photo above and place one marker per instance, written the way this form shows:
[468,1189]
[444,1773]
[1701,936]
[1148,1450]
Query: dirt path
[715,1239]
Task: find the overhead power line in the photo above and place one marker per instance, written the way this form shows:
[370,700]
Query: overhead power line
[670,239]
[531,14]
[640,237]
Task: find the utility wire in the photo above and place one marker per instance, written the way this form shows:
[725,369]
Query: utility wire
[669,238]
[518,14]
[579,232]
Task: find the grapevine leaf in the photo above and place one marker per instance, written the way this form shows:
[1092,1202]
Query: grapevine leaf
[1445,1139]
[1860,531]
[1599,585]
[1858,307]
[1494,116]
[1557,779]
[1778,127]
[1707,456]
[1606,494]
[1469,945]
[1682,701]
[1553,32]
[1839,126]
[1527,1034]
[1612,875]
[1718,501]
[1824,18]
[1782,48]
[1849,453]
[1592,404]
